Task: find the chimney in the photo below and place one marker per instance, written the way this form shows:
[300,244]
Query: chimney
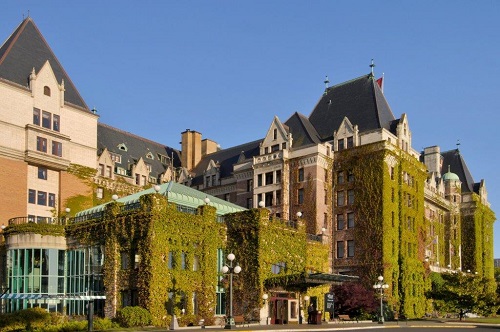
[191,149]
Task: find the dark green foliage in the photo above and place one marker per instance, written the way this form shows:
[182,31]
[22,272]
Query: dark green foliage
[133,317]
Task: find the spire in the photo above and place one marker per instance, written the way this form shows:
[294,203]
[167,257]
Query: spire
[372,65]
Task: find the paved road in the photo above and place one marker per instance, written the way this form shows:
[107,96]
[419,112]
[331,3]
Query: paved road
[414,326]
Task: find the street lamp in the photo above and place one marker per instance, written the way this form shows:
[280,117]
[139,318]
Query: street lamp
[381,286]
[231,269]
[265,297]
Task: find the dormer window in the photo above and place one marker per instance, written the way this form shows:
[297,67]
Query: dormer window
[150,156]
[46,91]
[340,144]
[350,142]
[275,148]
[275,134]
[122,147]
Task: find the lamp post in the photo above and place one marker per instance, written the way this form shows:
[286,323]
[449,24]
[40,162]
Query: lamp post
[265,297]
[306,299]
[231,269]
[381,286]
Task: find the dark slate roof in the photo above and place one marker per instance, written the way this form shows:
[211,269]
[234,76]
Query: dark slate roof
[26,48]
[360,100]
[226,159]
[137,147]
[454,159]
[303,132]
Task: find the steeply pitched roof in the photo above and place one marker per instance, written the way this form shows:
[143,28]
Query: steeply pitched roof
[226,159]
[360,100]
[26,48]
[303,132]
[454,159]
[134,147]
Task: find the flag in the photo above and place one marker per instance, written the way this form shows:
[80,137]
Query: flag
[380,83]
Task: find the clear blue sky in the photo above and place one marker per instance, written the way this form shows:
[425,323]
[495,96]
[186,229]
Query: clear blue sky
[226,68]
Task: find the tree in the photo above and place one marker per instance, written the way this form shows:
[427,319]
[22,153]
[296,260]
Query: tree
[463,292]
[353,299]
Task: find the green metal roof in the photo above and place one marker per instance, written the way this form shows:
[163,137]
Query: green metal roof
[175,193]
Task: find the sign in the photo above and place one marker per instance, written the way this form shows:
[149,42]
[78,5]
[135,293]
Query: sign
[330,303]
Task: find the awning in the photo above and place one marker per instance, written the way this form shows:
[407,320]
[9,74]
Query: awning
[23,296]
[302,281]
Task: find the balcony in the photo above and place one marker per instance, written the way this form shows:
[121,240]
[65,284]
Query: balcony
[37,220]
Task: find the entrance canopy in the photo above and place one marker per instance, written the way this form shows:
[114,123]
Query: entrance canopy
[304,280]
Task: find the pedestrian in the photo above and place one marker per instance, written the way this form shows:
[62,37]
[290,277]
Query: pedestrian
[310,311]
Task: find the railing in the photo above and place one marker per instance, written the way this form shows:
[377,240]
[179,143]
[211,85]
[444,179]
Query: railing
[38,220]
[314,237]
[95,215]
[130,207]
[288,223]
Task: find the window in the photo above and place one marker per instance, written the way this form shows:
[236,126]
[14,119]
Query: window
[52,200]
[183,260]
[148,167]
[249,185]
[259,180]
[278,267]
[36,116]
[340,177]
[137,179]
[325,220]
[99,192]
[42,198]
[207,181]
[108,171]
[269,199]
[350,176]
[275,148]
[278,176]
[46,91]
[46,119]
[350,220]
[117,158]
[350,196]
[278,197]
[55,122]
[326,196]
[227,197]
[301,174]
[283,146]
[249,203]
[124,259]
[196,263]
[340,222]
[269,178]
[42,173]
[32,196]
[171,260]
[392,195]
[392,173]
[350,142]
[41,144]
[300,195]
[57,148]
[340,198]
[275,134]
[340,144]
[101,169]
[122,147]
[137,261]
[392,218]
[350,248]
[340,249]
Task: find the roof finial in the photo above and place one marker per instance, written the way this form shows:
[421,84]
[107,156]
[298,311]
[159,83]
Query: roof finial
[326,84]
[372,65]
[458,144]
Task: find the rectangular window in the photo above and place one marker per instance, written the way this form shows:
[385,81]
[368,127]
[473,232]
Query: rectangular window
[269,199]
[143,180]
[340,144]
[275,133]
[278,197]
[99,192]
[326,196]
[41,144]
[350,196]
[249,203]
[46,119]
[183,260]
[171,260]
[249,185]
[226,197]
[42,198]
[350,142]
[36,116]
[340,249]
[196,263]
[340,177]
[300,195]
[275,147]
[278,176]
[283,146]
[350,177]
[108,171]
[301,174]
[340,198]
[269,178]
[52,200]
[57,148]
[340,222]
[118,158]
[137,179]
[392,173]
[350,248]
[350,220]
[124,259]
[32,196]
[325,220]
[207,181]
[42,173]
[259,180]
[55,122]
[101,169]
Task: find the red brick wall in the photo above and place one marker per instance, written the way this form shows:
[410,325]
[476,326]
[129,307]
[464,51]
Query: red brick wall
[14,186]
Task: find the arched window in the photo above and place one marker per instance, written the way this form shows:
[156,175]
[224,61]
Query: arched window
[46,91]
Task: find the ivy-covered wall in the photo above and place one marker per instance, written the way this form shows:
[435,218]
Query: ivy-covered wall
[166,243]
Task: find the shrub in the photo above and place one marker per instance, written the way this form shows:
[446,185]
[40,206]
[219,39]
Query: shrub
[74,325]
[101,324]
[133,317]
